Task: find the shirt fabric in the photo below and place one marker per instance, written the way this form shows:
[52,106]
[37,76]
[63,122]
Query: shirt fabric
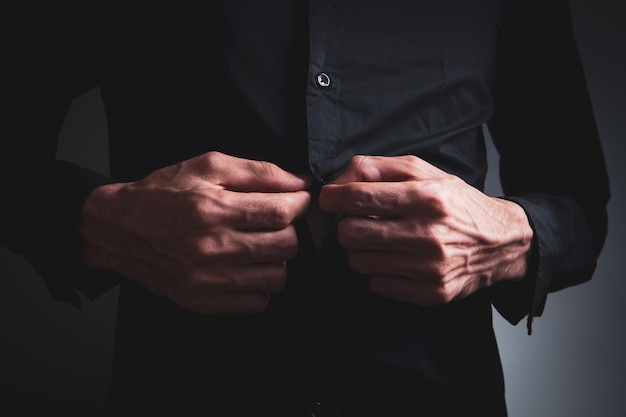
[307,85]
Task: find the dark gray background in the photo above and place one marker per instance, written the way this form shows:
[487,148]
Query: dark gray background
[55,359]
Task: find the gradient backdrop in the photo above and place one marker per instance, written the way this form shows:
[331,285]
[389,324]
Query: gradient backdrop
[55,360]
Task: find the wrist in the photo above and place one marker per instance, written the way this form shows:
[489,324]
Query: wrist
[96,227]
[513,265]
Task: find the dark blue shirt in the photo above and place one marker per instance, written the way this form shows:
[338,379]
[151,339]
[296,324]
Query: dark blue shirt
[307,86]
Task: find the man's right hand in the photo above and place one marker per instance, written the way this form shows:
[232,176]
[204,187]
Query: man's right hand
[212,233]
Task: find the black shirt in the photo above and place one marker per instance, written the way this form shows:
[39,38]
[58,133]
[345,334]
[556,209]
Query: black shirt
[306,86]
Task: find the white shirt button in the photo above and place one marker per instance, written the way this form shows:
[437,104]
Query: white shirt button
[323,80]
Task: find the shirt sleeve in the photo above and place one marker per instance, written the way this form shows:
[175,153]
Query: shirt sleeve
[551,159]
[49,63]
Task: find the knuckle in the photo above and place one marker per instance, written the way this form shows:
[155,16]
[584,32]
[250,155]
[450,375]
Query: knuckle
[358,163]
[358,160]
[413,189]
[267,168]
[209,161]
[444,293]
[436,192]
[437,196]
[199,250]
[364,165]
[410,159]
[213,157]
[263,169]
[362,199]
[197,209]
[280,214]
[433,240]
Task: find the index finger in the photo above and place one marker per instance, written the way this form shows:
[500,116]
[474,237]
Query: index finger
[240,174]
[370,168]
[384,199]
[272,211]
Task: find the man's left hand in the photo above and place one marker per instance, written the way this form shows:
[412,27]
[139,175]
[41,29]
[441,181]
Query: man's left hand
[422,235]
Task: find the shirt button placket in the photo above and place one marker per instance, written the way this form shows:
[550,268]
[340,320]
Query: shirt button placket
[323,87]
